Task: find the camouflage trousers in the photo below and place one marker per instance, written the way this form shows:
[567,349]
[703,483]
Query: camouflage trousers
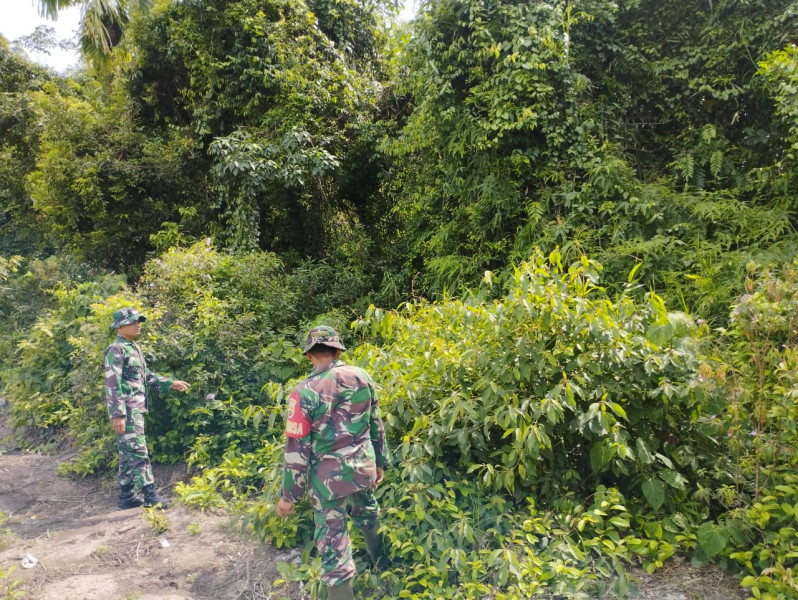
[332,536]
[134,459]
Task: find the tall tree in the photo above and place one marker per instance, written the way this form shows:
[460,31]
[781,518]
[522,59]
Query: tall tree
[20,79]
[636,130]
[102,23]
[278,92]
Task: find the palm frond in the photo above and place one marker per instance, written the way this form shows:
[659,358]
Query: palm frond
[102,26]
[50,8]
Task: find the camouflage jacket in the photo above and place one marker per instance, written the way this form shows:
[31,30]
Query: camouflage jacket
[127,378]
[334,434]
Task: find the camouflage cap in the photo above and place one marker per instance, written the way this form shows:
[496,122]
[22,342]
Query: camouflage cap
[325,335]
[126,316]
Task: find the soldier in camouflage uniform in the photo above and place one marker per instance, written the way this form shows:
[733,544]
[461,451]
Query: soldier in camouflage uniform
[126,382]
[335,444]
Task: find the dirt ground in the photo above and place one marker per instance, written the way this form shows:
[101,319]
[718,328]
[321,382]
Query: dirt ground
[80,547]
[83,548]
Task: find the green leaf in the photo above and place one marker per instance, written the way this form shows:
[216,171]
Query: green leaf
[631,276]
[712,539]
[673,479]
[600,455]
[620,522]
[643,452]
[660,334]
[748,581]
[654,492]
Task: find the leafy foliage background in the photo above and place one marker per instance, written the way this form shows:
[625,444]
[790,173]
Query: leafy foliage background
[563,234]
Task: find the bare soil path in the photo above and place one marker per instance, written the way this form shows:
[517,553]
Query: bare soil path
[83,548]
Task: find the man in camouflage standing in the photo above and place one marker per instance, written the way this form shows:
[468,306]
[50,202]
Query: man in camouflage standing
[126,381]
[335,443]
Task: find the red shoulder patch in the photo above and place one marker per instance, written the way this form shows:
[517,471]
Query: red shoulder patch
[297,425]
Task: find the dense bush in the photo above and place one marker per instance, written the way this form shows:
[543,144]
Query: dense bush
[637,130]
[547,431]
[222,322]
[19,79]
[545,435]
[759,376]
[553,388]
[541,440]
[226,328]
[39,380]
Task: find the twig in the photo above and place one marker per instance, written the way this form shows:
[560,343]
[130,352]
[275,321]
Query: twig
[246,585]
[263,594]
[86,495]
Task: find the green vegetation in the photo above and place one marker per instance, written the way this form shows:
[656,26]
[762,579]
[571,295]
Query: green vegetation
[156,519]
[561,236]
[8,584]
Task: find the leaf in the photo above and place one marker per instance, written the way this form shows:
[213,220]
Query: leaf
[618,410]
[643,452]
[673,479]
[631,276]
[654,492]
[715,163]
[600,455]
[712,539]
[620,522]
[660,334]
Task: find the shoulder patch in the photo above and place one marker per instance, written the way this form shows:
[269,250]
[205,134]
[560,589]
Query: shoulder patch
[297,425]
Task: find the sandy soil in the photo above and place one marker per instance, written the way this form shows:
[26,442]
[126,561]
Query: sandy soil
[86,549]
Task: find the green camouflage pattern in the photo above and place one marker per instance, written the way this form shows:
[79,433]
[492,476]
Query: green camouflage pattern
[126,384]
[344,438]
[335,440]
[332,536]
[134,459]
[324,335]
[126,316]
[127,378]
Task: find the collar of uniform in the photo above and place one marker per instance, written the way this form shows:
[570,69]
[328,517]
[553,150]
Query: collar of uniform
[322,368]
[124,340]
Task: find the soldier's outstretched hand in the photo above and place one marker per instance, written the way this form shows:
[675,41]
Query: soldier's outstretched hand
[284,508]
[180,386]
[118,425]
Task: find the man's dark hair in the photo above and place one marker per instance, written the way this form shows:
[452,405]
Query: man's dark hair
[322,350]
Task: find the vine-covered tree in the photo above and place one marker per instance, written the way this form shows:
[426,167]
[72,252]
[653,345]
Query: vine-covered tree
[19,79]
[278,94]
[641,131]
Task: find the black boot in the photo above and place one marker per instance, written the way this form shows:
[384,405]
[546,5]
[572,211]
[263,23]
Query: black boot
[375,547]
[128,498]
[342,591]
[153,498]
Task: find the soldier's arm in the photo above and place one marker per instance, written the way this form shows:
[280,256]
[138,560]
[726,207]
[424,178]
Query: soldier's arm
[116,390]
[154,380]
[295,470]
[297,449]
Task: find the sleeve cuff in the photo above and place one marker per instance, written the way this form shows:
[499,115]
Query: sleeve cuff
[288,497]
[165,385]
